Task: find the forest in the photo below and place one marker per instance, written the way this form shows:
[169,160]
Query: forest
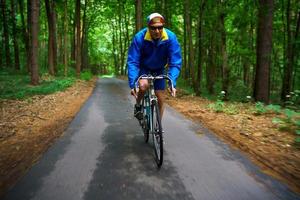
[243,50]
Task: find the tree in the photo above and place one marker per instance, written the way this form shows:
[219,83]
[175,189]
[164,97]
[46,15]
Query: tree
[6,34]
[52,47]
[191,66]
[225,67]
[84,38]
[297,48]
[16,46]
[290,49]
[25,31]
[78,38]
[200,48]
[138,15]
[34,11]
[65,54]
[263,51]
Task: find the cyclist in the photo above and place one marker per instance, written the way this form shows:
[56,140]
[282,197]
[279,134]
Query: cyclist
[152,49]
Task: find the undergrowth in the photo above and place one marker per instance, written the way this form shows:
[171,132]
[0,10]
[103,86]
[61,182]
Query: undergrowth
[17,85]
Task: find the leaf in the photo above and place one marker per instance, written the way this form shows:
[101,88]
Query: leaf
[297,140]
[289,113]
[298,132]
[277,121]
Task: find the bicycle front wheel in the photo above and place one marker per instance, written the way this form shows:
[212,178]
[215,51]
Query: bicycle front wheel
[145,122]
[157,135]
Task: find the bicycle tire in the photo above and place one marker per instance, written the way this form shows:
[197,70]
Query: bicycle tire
[157,135]
[145,122]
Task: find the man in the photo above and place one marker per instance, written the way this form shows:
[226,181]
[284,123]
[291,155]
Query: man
[152,49]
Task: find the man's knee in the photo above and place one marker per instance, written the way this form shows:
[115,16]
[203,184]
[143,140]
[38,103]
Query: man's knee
[160,95]
[143,85]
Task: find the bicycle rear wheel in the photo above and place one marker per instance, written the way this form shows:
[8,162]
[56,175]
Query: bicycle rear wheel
[157,135]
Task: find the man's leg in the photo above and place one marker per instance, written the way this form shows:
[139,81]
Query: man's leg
[143,86]
[160,97]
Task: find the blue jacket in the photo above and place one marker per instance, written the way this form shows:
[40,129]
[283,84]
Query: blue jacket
[154,55]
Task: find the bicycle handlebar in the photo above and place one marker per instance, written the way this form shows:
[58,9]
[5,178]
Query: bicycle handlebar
[151,77]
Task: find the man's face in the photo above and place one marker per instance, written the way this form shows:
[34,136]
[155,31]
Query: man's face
[156,30]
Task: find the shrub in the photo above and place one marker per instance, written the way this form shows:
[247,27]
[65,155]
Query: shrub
[86,75]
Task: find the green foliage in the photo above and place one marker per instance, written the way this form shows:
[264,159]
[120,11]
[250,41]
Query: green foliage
[289,113]
[297,140]
[274,108]
[86,75]
[17,86]
[277,120]
[289,122]
[259,108]
[293,101]
[231,109]
[218,106]
[184,85]
[239,91]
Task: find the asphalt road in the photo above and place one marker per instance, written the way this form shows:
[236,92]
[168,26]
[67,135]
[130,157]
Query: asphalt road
[102,155]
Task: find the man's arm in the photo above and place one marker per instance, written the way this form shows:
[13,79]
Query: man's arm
[175,59]
[133,61]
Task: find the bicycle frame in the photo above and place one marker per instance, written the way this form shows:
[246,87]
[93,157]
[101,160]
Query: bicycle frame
[151,122]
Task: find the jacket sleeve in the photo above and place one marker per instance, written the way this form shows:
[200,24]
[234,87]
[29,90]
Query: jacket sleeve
[133,61]
[175,60]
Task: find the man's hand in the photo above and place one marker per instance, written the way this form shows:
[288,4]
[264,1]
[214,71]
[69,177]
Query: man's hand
[133,92]
[172,91]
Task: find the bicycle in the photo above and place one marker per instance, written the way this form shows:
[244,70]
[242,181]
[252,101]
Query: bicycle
[151,120]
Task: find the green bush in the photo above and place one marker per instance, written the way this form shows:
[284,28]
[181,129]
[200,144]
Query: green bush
[17,86]
[274,108]
[86,75]
[231,110]
[218,106]
[289,122]
[238,91]
[260,108]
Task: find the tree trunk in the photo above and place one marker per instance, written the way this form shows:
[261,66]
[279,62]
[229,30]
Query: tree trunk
[73,42]
[199,45]
[84,40]
[78,38]
[185,69]
[65,58]
[167,13]
[120,38]
[25,34]
[190,42]
[288,68]
[211,67]
[296,48]
[114,46]
[50,38]
[35,6]
[16,46]
[6,34]
[225,67]
[263,51]
[29,15]
[138,15]
[52,41]
[126,37]
[157,6]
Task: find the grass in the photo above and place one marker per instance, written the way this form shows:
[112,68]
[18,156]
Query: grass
[15,85]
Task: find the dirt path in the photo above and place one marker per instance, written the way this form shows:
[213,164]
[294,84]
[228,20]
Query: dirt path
[29,128]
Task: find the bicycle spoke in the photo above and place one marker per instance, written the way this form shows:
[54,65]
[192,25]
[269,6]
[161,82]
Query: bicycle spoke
[157,135]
